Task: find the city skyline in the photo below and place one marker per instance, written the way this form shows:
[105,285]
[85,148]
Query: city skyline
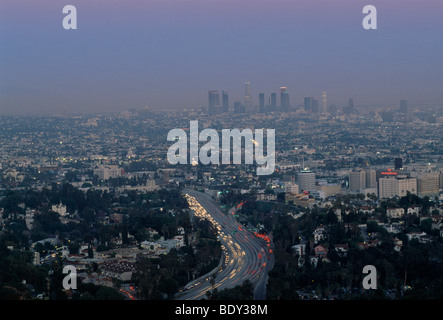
[221,151]
[165,54]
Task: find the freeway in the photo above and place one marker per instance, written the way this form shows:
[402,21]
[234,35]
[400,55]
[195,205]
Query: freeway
[246,255]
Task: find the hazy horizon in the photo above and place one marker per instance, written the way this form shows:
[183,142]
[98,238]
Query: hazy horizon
[168,54]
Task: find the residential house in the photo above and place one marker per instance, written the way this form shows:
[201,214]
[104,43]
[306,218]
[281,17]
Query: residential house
[398,244]
[319,234]
[392,228]
[148,245]
[414,209]
[366,210]
[300,249]
[320,251]
[342,249]
[395,212]
[313,260]
[415,235]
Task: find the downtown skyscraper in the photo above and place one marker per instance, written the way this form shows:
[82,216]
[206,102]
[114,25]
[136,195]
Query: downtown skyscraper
[284,99]
[248,97]
[261,102]
[273,102]
[225,101]
[214,102]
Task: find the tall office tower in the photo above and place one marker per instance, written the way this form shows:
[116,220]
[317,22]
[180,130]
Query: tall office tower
[324,100]
[428,184]
[214,102]
[371,178]
[357,180]
[306,180]
[351,104]
[398,163]
[261,102]
[315,106]
[350,108]
[273,102]
[403,106]
[308,104]
[311,105]
[248,98]
[284,99]
[225,101]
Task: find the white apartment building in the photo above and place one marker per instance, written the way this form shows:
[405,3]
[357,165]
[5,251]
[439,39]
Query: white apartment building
[390,187]
[110,171]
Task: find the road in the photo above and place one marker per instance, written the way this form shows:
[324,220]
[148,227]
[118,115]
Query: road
[246,256]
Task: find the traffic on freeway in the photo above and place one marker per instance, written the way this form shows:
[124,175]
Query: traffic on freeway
[246,255]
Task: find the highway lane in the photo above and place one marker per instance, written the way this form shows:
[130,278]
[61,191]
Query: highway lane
[245,256]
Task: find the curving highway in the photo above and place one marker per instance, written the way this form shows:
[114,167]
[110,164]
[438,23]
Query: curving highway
[246,256]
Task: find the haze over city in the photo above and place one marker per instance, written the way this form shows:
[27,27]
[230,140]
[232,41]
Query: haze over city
[168,54]
[237,152]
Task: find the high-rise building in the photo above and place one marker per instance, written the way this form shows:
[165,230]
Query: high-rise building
[363,181]
[311,105]
[371,179]
[387,187]
[357,180]
[398,163]
[261,102]
[428,184]
[315,106]
[392,186]
[273,102]
[306,180]
[406,185]
[225,101]
[214,102]
[308,104]
[351,104]
[350,108]
[248,97]
[284,99]
[403,106]
[324,100]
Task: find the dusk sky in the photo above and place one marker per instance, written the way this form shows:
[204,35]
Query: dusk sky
[168,53]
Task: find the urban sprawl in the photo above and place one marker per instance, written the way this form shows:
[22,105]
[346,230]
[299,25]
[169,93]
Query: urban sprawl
[352,186]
